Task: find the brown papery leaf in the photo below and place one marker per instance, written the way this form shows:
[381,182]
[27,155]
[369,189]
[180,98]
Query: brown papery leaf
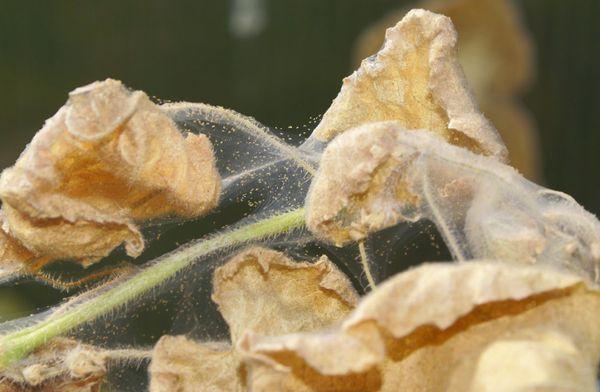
[496,53]
[181,364]
[534,360]
[62,365]
[12,253]
[445,327]
[361,185]
[498,58]
[263,290]
[378,175]
[496,49]
[414,79]
[107,161]
[258,290]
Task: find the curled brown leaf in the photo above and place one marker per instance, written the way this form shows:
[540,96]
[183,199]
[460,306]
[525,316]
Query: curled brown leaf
[534,360]
[378,175]
[258,290]
[362,184]
[181,364]
[438,327]
[414,79]
[496,53]
[263,290]
[62,365]
[107,161]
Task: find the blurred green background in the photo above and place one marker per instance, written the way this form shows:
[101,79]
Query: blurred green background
[283,72]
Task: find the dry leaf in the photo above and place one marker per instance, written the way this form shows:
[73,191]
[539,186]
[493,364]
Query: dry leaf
[377,175]
[62,365]
[496,51]
[105,162]
[180,364]
[258,290]
[414,79]
[496,54]
[361,185]
[12,252]
[496,48]
[440,327]
[536,361]
[263,290]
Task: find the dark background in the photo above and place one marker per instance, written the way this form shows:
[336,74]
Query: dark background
[185,50]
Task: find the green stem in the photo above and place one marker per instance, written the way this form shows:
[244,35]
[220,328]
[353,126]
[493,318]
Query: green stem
[16,345]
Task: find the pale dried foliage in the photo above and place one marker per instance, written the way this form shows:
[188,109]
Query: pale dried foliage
[258,290]
[410,144]
[446,327]
[181,364]
[414,79]
[378,175]
[361,185]
[61,365]
[106,162]
[496,54]
[534,360]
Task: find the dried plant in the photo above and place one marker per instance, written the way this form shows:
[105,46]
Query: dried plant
[497,56]
[404,141]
